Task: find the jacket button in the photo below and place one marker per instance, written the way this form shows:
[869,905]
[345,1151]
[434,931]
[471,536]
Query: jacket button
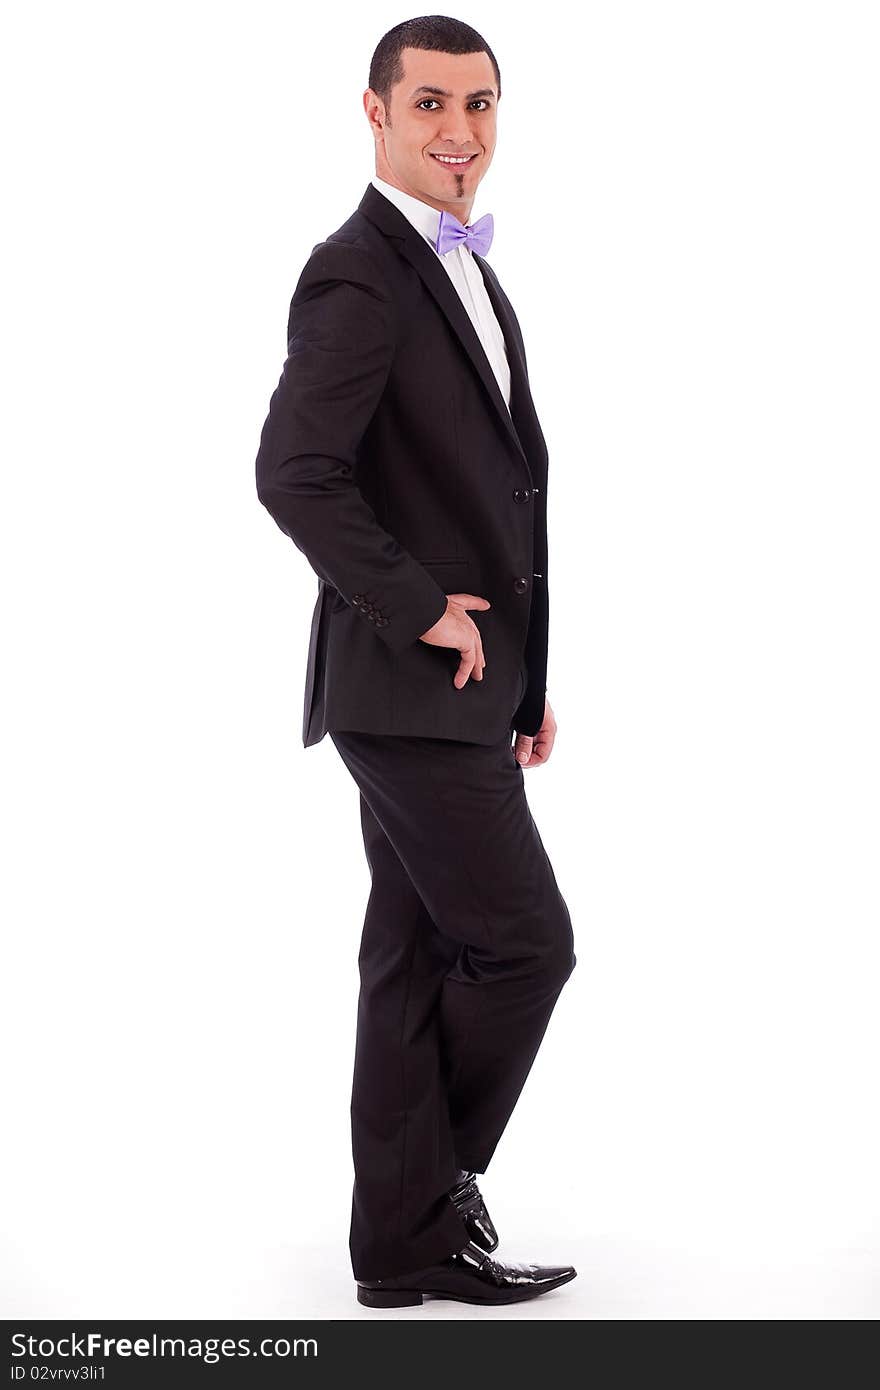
[520,585]
[521,494]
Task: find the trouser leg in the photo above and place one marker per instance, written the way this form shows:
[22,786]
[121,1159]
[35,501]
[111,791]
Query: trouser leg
[491,1035]
[404,1163]
[467,944]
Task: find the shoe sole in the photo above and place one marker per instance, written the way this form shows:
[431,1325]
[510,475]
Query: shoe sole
[410,1298]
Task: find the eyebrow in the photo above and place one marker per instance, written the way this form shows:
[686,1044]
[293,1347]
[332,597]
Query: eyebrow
[469,96]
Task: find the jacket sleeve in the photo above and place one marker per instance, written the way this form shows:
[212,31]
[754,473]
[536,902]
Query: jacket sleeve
[341,341]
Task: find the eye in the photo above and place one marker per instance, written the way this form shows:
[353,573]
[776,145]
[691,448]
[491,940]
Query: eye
[480,101]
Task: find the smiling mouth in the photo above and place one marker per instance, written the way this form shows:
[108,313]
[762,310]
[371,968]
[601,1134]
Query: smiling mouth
[453,163]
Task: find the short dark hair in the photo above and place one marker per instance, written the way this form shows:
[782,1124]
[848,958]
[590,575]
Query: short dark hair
[437,33]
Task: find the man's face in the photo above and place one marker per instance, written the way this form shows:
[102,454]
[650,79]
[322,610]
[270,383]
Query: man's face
[445,105]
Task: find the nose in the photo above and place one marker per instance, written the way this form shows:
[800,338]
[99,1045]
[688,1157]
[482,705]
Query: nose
[456,131]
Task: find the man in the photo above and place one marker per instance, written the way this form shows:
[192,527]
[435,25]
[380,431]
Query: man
[402,454]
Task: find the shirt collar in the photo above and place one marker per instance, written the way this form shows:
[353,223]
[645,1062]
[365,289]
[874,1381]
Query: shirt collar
[423,217]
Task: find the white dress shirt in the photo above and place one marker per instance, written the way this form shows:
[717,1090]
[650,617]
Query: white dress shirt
[465,275]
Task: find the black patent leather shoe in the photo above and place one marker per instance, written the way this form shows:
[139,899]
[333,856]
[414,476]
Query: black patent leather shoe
[468,1202]
[471,1276]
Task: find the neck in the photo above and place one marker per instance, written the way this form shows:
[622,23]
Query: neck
[461,210]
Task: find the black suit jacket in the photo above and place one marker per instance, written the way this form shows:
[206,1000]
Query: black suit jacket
[390,458]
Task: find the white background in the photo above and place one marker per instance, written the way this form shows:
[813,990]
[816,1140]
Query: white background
[687,223]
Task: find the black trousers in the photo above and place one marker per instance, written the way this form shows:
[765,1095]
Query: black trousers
[467,942]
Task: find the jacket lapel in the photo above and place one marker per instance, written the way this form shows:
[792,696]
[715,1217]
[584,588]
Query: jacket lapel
[522,406]
[413,246]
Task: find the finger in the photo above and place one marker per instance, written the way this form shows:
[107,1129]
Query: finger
[480,663]
[465,666]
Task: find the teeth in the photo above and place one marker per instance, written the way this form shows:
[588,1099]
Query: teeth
[450,159]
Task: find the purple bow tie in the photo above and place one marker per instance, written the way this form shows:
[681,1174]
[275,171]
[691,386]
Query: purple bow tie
[477,235]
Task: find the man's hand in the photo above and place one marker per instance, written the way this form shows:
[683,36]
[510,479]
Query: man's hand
[533,752]
[456,629]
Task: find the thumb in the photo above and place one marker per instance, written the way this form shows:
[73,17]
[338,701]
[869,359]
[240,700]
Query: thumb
[470,600]
[523,748]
